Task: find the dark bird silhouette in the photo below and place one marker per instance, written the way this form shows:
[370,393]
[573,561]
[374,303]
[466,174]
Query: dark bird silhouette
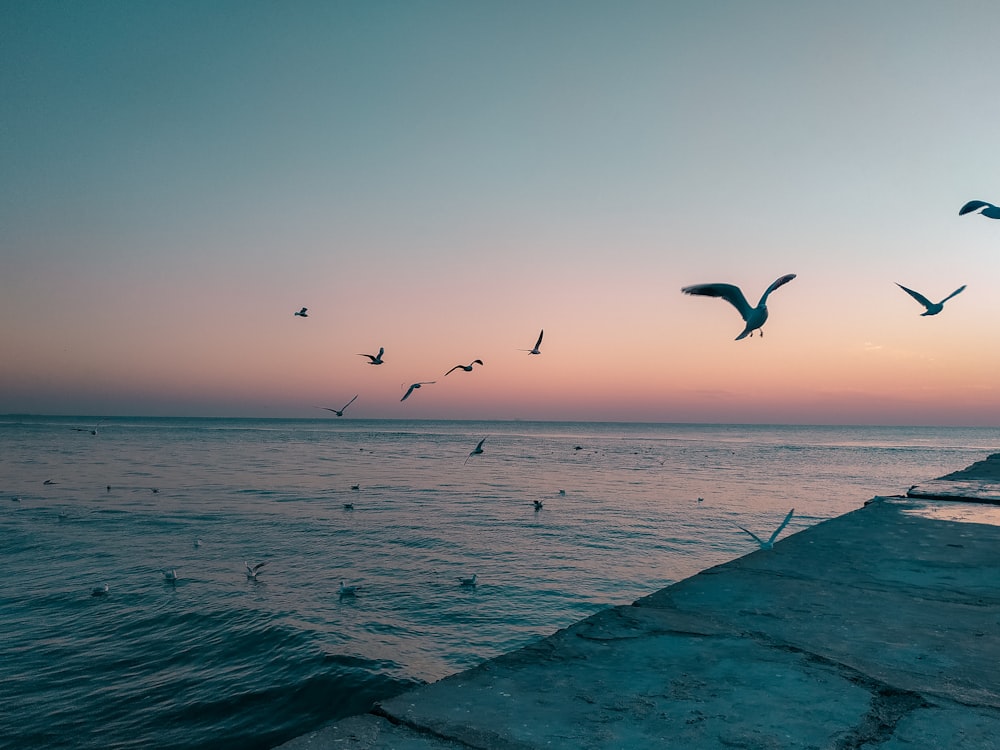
[414,387]
[302,313]
[477,451]
[339,412]
[467,368]
[376,359]
[981,207]
[933,308]
[753,316]
[537,348]
[253,570]
[770,541]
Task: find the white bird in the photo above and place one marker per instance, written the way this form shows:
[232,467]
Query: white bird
[933,308]
[468,581]
[197,543]
[538,344]
[170,575]
[477,451]
[415,386]
[252,571]
[100,590]
[770,541]
[339,412]
[302,313]
[376,359]
[538,504]
[754,316]
[988,209]
[348,590]
[467,368]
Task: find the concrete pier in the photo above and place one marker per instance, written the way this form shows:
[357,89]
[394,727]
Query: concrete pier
[880,628]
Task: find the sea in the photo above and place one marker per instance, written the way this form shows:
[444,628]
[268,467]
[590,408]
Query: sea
[399,509]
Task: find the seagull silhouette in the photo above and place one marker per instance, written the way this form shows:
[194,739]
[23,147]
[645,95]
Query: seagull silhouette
[252,571]
[477,451]
[339,412]
[536,349]
[100,590]
[302,313]
[988,209]
[538,504]
[467,368]
[933,308]
[415,386]
[469,581]
[92,431]
[770,541]
[376,359]
[348,590]
[754,316]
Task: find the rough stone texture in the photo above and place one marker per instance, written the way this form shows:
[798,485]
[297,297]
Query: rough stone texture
[876,629]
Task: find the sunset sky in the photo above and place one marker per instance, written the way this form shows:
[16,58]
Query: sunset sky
[445,179]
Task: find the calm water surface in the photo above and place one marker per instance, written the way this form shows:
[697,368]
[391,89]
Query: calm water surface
[221,661]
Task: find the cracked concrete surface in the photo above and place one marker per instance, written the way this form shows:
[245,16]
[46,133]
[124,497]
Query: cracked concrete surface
[877,629]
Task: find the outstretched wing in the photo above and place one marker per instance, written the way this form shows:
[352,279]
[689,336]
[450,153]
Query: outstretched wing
[777,282]
[539,342]
[960,289]
[728,292]
[349,402]
[971,206]
[918,296]
[783,525]
[755,537]
[408,392]
[456,367]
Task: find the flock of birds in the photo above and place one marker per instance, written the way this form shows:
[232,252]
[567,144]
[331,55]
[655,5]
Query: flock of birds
[753,317]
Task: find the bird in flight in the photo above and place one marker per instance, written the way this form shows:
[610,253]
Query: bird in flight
[988,209]
[467,368]
[753,316]
[933,308]
[253,570]
[303,313]
[536,349]
[477,451]
[770,541]
[376,359]
[414,387]
[339,412]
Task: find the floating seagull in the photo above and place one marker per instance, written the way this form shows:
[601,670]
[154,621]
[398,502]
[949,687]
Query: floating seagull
[339,412]
[538,504]
[562,492]
[477,451]
[414,387]
[988,209]
[536,349]
[468,581]
[252,571]
[348,590]
[48,481]
[933,308]
[100,590]
[376,359]
[155,490]
[348,506]
[197,543]
[302,313]
[15,499]
[169,575]
[467,368]
[754,316]
[355,487]
[770,541]
[92,431]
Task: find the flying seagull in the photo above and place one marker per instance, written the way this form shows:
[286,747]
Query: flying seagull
[339,412]
[754,316]
[467,368]
[376,359]
[347,590]
[536,349]
[933,308]
[414,387]
[252,571]
[770,541]
[477,451]
[469,581]
[303,313]
[538,504]
[988,209]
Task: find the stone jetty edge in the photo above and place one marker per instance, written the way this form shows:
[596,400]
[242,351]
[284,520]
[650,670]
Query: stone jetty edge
[876,629]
